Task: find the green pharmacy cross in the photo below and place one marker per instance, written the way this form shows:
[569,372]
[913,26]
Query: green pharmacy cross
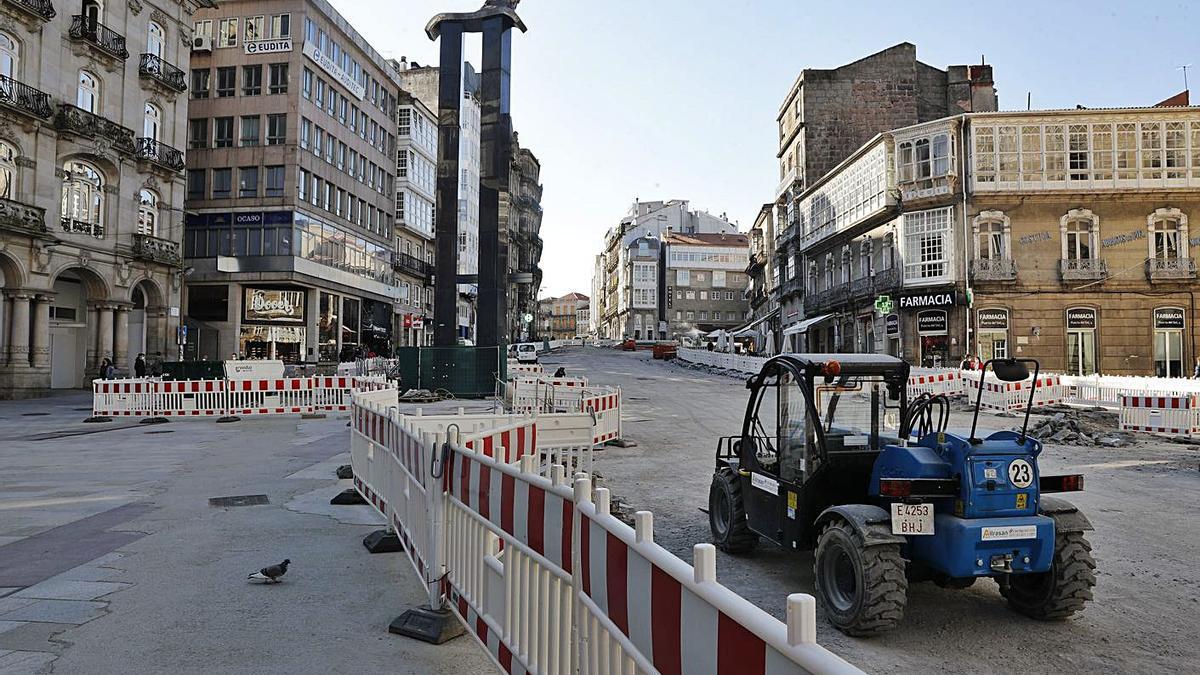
[883,304]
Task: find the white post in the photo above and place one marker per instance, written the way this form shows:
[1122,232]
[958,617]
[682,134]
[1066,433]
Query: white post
[602,501]
[583,495]
[433,511]
[801,619]
[704,563]
[643,524]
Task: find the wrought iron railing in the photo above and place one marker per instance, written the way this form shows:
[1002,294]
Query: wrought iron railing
[159,153]
[157,249]
[994,269]
[79,121]
[25,98]
[1082,269]
[412,265]
[98,35]
[1160,269]
[153,66]
[41,8]
[83,227]
[22,217]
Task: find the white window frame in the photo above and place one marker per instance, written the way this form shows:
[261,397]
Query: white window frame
[1156,232]
[147,222]
[1072,226]
[992,232]
[920,229]
[227,32]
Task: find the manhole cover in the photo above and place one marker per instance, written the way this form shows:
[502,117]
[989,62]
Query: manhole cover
[37,414]
[161,431]
[240,500]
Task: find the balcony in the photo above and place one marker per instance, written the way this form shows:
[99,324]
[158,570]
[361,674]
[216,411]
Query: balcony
[993,269]
[79,121]
[1171,269]
[757,261]
[42,9]
[159,153]
[154,68]
[793,286]
[22,218]
[1083,270]
[412,266]
[96,34]
[24,98]
[154,249]
[786,183]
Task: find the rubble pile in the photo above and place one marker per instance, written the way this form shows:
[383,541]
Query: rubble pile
[1090,428]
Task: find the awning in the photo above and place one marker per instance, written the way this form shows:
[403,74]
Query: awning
[804,325]
[747,328]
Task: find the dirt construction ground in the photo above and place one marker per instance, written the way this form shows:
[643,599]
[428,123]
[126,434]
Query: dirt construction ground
[1143,500]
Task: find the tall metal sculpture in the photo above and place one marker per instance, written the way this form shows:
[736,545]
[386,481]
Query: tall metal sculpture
[495,20]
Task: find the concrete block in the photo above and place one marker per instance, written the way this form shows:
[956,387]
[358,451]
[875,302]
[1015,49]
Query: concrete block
[382,541]
[435,626]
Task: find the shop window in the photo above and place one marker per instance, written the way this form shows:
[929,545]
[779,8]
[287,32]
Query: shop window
[1169,324]
[991,326]
[1081,341]
[208,303]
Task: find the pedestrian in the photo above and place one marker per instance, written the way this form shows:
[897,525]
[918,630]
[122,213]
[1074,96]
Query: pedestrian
[562,371]
[1196,369]
[107,371]
[139,366]
[711,346]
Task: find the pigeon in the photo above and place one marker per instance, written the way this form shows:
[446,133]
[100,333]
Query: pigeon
[271,573]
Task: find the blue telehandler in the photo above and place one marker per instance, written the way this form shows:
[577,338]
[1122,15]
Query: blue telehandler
[834,457]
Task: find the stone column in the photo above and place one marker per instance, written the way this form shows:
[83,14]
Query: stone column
[18,342]
[104,332]
[121,351]
[5,326]
[92,358]
[41,331]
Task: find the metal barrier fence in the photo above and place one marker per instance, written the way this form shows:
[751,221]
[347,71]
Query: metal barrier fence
[149,397]
[545,578]
[740,362]
[1177,415]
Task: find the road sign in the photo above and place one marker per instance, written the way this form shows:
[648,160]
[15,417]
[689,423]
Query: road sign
[181,335]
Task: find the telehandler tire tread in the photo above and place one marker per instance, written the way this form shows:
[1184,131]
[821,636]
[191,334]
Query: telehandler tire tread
[740,538]
[1075,568]
[884,583]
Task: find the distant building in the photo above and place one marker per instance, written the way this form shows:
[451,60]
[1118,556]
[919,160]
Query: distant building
[705,283]
[416,194]
[521,223]
[613,280]
[583,320]
[562,316]
[762,278]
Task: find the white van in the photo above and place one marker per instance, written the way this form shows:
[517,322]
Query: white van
[527,352]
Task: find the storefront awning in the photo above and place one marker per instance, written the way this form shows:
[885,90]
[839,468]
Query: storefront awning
[804,325]
[748,328]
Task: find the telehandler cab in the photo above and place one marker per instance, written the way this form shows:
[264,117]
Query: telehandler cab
[833,456]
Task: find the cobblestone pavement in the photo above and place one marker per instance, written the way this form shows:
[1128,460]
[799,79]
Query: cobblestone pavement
[113,561]
[1142,499]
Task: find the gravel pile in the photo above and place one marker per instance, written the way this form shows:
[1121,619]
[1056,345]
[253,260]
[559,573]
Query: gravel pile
[1081,428]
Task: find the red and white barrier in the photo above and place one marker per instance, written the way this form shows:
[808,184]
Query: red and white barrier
[124,398]
[606,406]
[1005,396]
[948,382]
[219,398]
[1177,415]
[191,398]
[548,581]
[281,396]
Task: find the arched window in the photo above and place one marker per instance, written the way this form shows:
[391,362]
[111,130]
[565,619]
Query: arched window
[1168,230]
[147,222]
[8,171]
[992,233]
[151,121]
[1080,234]
[83,199]
[10,55]
[93,10]
[155,39]
[88,97]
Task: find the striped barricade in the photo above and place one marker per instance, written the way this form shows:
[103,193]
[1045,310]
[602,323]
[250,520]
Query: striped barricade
[1006,396]
[124,398]
[517,368]
[948,382]
[606,406]
[332,393]
[192,398]
[1175,415]
[271,396]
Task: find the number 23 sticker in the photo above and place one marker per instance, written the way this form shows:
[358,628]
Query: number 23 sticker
[1020,473]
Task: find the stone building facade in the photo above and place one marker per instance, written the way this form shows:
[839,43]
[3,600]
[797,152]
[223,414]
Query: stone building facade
[522,229]
[705,282]
[762,278]
[828,115]
[92,127]
[416,178]
[291,208]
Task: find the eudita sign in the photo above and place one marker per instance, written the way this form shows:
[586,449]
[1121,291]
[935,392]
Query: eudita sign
[1081,318]
[927,300]
[932,322]
[992,319]
[275,306]
[1168,318]
[269,46]
[327,64]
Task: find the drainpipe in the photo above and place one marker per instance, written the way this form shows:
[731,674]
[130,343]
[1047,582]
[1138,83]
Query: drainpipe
[962,144]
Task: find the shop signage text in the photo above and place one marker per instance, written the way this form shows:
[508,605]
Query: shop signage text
[243,218]
[927,300]
[274,305]
[1123,238]
[1168,318]
[1035,238]
[992,319]
[932,322]
[269,46]
[891,324]
[326,64]
[1081,318]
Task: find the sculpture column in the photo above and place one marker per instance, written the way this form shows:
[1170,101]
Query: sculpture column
[41,331]
[121,352]
[18,342]
[104,332]
[494,175]
[445,285]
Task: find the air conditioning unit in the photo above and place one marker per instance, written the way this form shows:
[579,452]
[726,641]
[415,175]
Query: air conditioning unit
[202,43]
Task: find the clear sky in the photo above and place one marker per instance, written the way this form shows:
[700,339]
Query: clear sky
[666,99]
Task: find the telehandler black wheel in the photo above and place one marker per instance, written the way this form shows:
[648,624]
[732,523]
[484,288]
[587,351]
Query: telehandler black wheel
[862,588]
[727,514]
[1060,592]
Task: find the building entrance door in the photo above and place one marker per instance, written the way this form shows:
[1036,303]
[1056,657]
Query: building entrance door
[1081,352]
[1168,353]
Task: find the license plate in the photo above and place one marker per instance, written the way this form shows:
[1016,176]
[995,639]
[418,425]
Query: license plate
[912,519]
